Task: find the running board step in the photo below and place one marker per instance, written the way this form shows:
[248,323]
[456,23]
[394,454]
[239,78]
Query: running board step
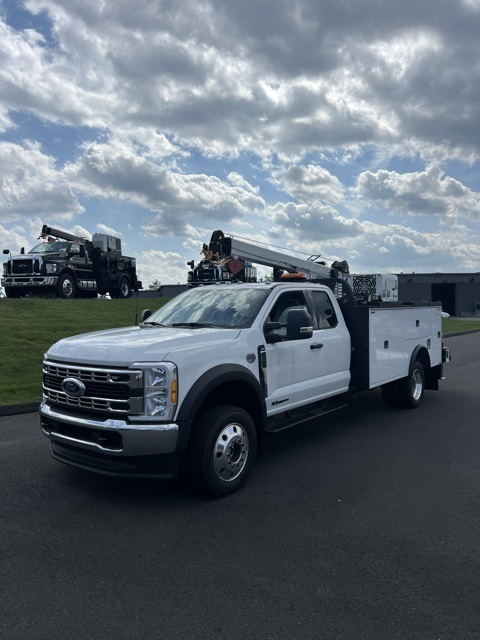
[274,425]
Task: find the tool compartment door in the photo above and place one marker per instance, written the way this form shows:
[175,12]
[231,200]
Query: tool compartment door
[394,333]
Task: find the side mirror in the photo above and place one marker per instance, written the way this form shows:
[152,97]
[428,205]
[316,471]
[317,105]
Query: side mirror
[299,324]
[271,326]
[22,250]
[271,338]
[146,313]
[6,251]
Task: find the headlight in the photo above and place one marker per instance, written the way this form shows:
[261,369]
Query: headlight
[51,267]
[159,389]
[4,269]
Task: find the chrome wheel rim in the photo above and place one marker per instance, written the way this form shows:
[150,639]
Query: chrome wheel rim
[67,287]
[417,384]
[230,453]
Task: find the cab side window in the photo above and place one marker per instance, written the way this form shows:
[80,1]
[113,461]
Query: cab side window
[323,309]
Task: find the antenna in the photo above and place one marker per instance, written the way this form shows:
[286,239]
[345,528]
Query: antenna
[136,306]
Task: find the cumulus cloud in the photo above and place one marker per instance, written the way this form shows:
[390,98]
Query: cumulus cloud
[13,239]
[309,183]
[424,192]
[31,185]
[233,76]
[165,266]
[102,228]
[115,170]
[314,222]
[188,104]
[239,181]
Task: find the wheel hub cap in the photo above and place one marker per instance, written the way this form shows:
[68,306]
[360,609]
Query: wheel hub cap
[231,452]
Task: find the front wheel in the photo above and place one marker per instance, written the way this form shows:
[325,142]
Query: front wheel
[66,287]
[11,292]
[222,450]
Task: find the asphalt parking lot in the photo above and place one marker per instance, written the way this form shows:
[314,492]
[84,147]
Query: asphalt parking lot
[362,526]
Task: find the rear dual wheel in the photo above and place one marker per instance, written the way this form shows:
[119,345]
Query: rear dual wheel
[123,290]
[407,392]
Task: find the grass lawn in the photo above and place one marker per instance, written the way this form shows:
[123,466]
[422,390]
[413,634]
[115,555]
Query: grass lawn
[30,325]
[455,325]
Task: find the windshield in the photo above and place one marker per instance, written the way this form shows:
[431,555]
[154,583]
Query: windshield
[218,306]
[50,247]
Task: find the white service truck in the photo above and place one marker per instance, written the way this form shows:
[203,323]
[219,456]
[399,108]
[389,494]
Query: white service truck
[198,382]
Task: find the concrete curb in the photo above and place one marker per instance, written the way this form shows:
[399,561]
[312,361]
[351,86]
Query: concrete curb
[14,409]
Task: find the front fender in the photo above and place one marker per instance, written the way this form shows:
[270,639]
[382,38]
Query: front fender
[205,385]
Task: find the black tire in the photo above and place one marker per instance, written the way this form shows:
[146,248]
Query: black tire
[412,388]
[124,290]
[11,292]
[222,450]
[66,287]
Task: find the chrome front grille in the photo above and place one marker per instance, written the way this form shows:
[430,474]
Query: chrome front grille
[118,391]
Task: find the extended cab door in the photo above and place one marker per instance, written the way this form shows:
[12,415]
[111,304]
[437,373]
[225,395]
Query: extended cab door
[333,334]
[302,370]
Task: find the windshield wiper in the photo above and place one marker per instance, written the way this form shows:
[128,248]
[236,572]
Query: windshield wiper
[192,325]
[154,324]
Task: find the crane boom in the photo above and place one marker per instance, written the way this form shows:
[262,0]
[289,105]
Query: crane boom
[229,259]
[232,250]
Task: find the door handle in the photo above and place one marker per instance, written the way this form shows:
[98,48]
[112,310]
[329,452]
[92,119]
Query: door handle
[316,345]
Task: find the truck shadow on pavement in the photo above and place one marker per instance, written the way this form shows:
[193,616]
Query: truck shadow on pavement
[316,438]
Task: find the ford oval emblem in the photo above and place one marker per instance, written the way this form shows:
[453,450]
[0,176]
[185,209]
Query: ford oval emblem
[73,387]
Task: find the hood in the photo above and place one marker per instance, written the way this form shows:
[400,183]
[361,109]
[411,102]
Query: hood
[39,256]
[121,347]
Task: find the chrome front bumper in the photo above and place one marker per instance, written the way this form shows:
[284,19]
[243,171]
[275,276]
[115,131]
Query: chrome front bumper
[29,281]
[110,436]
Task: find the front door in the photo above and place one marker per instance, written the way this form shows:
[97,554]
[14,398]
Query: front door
[303,371]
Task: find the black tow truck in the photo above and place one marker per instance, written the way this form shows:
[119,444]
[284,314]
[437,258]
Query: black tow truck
[71,267]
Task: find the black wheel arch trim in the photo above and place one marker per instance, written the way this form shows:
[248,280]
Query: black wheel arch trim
[414,358]
[203,386]
[67,269]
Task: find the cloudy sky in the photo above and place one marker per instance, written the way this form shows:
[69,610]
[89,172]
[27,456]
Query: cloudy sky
[346,128]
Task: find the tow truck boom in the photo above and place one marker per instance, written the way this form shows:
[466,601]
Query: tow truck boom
[58,233]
